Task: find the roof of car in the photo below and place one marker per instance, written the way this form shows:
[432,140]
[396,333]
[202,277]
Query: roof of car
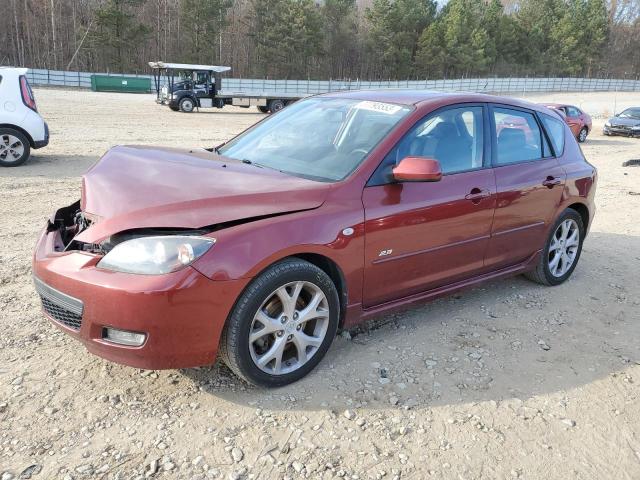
[188,66]
[13,70]
[416,97]
[558,105]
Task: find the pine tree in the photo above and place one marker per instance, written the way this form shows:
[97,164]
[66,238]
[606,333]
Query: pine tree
[341,36]
[395,27]
[202,23]
[118,33]
[288,36]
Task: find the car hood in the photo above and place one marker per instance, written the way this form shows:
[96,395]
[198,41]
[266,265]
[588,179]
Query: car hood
[626,122]
[135,187]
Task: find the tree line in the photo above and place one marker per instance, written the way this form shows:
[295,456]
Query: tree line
[320,39]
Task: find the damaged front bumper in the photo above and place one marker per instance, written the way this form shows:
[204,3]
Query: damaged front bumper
[180,314]
[621,131]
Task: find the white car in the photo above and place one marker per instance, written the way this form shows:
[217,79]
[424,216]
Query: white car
[21,126]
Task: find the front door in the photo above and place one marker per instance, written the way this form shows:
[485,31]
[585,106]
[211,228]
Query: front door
[529,182]
[419,236]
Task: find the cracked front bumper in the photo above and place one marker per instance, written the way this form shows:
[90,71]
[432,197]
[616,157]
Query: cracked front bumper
[182,313]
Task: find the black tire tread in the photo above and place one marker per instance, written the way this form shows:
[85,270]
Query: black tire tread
[25,142]
[185,111]
[585,137]
[539,274]
[228,349]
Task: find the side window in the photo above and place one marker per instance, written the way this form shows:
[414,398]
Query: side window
[453,136]
[573,112]
[555,129]
[518,137]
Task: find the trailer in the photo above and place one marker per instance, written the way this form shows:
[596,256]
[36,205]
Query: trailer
[189,87]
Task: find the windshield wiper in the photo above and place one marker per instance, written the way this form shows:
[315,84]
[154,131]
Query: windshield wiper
[249,162]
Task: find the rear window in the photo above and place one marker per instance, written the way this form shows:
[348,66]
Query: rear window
[518,136]
[555,129]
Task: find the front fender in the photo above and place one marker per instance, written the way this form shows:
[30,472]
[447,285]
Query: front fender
[243,251]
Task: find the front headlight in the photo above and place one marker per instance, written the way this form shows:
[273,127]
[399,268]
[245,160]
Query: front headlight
[155,255]
[607,123]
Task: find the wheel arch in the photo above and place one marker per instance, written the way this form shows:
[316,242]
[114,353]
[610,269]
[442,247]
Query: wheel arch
[324,263]
[190,97]
[331,268]
[21,130]
[583,211]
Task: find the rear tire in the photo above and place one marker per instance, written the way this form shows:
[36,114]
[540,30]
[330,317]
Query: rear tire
[282,324]
[14,148]
[275,105]
[562,250]
[582,135]
[187,105]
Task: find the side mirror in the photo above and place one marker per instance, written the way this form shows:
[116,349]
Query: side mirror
[417,169]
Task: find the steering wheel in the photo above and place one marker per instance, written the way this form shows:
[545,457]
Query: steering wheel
[356,150]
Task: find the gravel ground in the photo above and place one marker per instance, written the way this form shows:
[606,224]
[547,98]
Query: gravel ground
[510,380]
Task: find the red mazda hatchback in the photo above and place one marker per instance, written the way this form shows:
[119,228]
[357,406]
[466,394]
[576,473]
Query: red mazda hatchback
[338,208]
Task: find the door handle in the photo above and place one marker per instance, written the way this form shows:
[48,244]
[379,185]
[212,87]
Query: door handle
[551,182]
[476,195]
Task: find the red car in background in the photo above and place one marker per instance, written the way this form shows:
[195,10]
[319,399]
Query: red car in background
[579,122]
[509,121]
[338,208]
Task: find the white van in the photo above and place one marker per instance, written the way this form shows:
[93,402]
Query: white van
[21,126]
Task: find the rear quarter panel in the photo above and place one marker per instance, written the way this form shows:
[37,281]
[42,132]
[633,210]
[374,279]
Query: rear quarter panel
[581,181]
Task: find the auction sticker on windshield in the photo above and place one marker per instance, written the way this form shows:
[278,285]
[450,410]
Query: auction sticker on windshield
[379,107]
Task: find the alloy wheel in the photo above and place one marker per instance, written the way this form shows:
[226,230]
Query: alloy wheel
[289,327]
[11,148]
[583,135]
[563,248]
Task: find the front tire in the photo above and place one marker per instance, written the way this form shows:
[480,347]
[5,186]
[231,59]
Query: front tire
[282,324]
[561,251]
[187,105]
[14,148]
[582,135]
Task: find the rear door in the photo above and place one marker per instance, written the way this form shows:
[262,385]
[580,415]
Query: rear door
[529,182]
[421,235]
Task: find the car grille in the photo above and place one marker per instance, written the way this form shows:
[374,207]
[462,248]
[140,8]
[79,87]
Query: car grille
[60,306]
[620,128]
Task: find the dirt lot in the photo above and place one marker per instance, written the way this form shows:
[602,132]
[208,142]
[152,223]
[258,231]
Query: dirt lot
[511,380]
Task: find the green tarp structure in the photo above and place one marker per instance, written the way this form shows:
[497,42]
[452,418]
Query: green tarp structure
[109,83]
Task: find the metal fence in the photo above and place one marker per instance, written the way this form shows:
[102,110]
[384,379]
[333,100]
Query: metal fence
[310,87]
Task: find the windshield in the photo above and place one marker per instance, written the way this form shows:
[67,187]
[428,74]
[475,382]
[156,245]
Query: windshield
[320,138]
[631,113]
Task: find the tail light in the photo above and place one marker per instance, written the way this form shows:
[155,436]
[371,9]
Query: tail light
[27,94]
